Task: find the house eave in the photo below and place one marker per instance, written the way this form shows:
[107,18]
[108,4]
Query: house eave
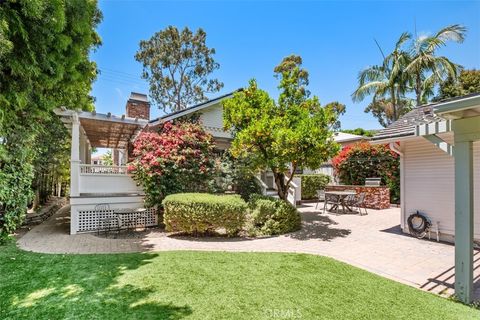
[190,110]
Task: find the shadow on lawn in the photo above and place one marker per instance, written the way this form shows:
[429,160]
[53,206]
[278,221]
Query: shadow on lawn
[78,287]
[317,226]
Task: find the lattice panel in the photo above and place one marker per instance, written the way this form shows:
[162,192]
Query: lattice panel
[88,220]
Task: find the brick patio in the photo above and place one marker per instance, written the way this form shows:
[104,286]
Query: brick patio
[373,242]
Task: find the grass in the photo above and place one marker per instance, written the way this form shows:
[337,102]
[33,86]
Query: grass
[205,285]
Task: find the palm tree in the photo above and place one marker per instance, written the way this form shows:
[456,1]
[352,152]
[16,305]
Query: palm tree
[425,68]
[386,81]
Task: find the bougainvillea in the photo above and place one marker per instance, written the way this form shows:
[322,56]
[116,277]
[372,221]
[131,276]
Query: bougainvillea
[177,158]
[359,161]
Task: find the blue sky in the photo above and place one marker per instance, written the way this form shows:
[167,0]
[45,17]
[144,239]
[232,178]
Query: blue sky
[335,40]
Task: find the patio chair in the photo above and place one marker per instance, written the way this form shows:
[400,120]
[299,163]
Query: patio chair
[359,203]
[105,222]
[333,200]
[350,200]
[321,197]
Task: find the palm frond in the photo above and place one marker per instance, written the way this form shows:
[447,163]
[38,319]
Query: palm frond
[455,32]
[372,73]
[404,37]
[379,88]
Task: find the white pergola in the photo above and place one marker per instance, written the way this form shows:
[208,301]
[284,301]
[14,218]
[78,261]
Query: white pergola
[91,129]
[462,117]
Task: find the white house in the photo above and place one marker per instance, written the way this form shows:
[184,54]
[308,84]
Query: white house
[439,147]
[94,184]
[424,141]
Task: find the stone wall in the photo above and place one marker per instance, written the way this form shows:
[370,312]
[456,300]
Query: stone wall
[376,197]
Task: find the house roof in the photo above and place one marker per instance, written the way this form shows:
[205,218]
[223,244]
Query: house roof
[192,109]
[346,137]
[424,114]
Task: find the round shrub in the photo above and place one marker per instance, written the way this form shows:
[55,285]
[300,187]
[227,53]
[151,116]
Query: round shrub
[270,216]
[196,213]
[311,183]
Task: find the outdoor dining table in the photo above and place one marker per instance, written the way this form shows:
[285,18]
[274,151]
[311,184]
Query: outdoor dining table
[341,197]
[121,215]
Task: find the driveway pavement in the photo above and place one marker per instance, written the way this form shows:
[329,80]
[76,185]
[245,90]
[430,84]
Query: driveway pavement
[373,242]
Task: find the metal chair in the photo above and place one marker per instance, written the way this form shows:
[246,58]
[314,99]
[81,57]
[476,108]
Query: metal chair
[351,199]
[321,197]
[105,222]
[360,203]
[333,200]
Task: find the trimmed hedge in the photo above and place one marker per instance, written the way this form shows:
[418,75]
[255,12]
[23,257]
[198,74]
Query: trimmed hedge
[270,216]
[195,213]
[311,183]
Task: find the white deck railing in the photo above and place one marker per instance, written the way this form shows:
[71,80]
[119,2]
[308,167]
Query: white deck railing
[100,169]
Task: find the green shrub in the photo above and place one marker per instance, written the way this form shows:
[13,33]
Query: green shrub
[195,213]
[270,216]
[311,183]
[235,174]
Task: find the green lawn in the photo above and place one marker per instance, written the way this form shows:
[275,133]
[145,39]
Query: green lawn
[205,285]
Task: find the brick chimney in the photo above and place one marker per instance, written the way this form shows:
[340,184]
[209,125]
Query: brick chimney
[138,106]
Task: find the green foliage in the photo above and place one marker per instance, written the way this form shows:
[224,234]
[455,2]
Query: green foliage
[425,68]
[295,132]
[269,216]
[468,82]
[44,63]
[311,183]
[357,162]
[361,132]
[52,160]
[387,83]
[177,65]
[412,67]
[235,174]
[196,213]
[16,176]
[339,109]
[386,114]
[107,158]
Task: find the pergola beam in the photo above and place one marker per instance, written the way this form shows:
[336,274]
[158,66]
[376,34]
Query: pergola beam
[440,144]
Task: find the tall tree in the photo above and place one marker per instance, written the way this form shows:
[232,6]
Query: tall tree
[178,65]
[44,63]
[426,68]
[281,136]
[387,83]
[339,109]
[468,82]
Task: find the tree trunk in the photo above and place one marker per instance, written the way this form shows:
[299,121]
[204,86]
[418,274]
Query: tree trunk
[394,103]
[418,89]
[282,188]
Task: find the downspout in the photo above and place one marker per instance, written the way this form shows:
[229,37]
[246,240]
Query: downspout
[394,148]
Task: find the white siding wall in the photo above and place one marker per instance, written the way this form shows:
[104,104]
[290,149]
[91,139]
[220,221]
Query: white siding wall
[212,120]
[429,184]
[212,117]
[98,183]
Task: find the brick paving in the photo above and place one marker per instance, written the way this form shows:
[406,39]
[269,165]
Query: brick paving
[373,242]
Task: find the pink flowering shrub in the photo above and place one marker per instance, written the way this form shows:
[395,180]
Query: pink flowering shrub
[177,158]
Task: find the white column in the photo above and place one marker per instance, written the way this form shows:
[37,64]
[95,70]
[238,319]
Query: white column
[73,219]
[83,147]
[75,158]
[466,131]
[464,220]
